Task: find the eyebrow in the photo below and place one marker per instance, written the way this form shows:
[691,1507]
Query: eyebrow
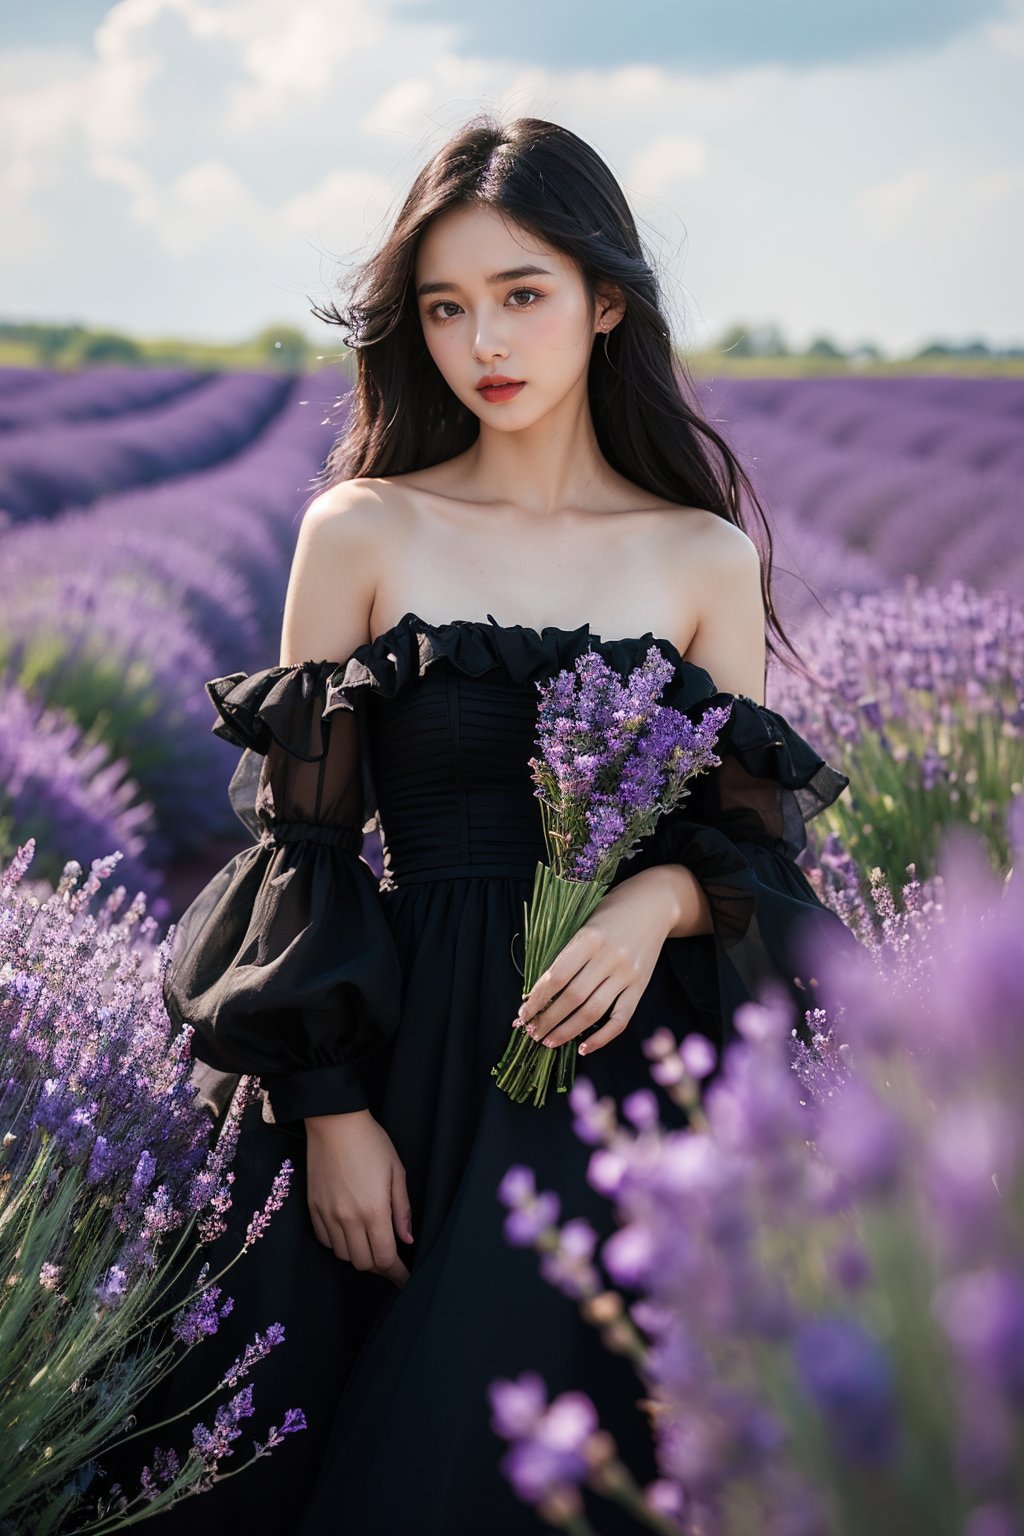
[495,277]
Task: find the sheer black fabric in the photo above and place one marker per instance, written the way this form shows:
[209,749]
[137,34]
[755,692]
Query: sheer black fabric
[740,831]
[284,964]
[296,960]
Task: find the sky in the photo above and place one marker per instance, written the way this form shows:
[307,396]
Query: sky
[205,168]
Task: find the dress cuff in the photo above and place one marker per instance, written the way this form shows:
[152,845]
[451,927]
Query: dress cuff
[334,1090]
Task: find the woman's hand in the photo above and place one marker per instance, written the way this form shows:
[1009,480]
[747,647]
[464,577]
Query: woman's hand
[355,1188]
[607,964]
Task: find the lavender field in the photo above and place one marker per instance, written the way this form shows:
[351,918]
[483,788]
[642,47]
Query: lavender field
[863,1368]
[147,521]
[148,524]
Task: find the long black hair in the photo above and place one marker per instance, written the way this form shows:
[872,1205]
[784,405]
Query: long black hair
[401,414]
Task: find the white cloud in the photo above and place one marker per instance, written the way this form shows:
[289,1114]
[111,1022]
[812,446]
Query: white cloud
[401,108]
[1007,34]
[947,192]
[115,115]
[298,55]
[667,161]
[286,131]
[200,206]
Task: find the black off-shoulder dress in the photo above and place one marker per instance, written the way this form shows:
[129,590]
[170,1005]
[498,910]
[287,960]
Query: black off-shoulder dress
[342,992]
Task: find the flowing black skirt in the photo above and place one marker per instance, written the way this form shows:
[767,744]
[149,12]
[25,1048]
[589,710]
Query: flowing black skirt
[393,1381]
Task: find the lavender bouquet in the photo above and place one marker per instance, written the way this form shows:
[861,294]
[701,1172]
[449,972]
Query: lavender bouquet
[611,761]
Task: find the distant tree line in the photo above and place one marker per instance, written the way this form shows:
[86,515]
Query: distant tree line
[768,341]
[39,345]
[76,346]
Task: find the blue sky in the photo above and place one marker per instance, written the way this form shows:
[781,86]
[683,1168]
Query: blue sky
[200,167]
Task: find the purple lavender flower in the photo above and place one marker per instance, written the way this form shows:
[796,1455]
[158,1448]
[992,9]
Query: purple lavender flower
[983,1314]
[864,1140]
[850,1380]
[99,1106]
[73,793]
[202,1317]
[549,1449]
[111,1289]
[921,710]
[279,1189]
[213,1445]
[252,1354]
[525,1223]
[568,1265]
[293,1421]
[698,1055]
[611,759]
[518,1406]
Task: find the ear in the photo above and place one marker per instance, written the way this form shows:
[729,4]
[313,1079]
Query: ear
[610,304]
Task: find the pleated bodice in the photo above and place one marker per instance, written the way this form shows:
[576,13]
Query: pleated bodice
[454,791]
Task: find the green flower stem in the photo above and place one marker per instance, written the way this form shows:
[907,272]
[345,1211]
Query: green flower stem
[558,910]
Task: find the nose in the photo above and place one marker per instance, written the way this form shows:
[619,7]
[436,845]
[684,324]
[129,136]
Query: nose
[487,346]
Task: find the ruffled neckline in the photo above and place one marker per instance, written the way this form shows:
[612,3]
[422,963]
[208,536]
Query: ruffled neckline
[259,707]
[393,659]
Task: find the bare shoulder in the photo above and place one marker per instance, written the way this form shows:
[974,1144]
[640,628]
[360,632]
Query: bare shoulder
[351,511]
[721,556]
[723,544]
[729,642]
[339,553]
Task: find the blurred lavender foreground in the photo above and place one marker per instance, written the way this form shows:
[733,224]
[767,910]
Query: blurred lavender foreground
[829,1260]
[108,1182]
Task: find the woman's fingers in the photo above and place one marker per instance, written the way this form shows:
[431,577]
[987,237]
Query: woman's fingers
[401,1206]
[592,1006]
[547,996]
[356,1193]
[385,1254]
[573,996]
[622,1012]
[319,1227]
[366,1243]
[357,1240]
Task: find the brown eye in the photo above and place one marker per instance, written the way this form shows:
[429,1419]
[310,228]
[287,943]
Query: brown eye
[441,303]
[434,310]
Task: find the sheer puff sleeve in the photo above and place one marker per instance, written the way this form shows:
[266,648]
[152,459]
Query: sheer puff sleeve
[284,964]
[739,832]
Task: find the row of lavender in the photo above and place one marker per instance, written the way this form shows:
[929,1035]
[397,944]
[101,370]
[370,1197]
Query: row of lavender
[114,612]
[868,480]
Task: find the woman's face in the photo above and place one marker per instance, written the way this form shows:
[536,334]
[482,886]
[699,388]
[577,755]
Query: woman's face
[532,326]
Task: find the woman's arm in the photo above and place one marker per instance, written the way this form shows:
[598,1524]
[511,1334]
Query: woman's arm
[729,641]
[682,897]
[355,1181]
[331,585]
[729,644]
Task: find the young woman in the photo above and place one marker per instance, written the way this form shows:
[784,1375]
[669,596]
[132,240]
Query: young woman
[472,536]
